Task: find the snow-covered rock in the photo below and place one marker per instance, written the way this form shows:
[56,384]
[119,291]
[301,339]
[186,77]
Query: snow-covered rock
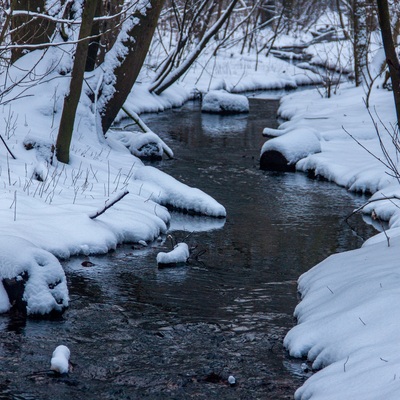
[142,145]
[178,255]
[60,359]
[30,276]
[283,152]
[222,102]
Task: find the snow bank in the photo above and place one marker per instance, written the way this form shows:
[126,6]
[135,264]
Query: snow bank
[45,288]
[343,126]
[179,254]
[166,190]
[222,102]
[348,321]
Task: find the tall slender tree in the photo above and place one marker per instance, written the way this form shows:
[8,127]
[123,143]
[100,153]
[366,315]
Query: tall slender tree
[71,100]
[390,52]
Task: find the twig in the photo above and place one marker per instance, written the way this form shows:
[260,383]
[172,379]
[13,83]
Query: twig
[109,205]
[344,365]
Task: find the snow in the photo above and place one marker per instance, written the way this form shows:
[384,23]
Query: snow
[294,145]
[179,254]
[46,287]
[348,319]
[167,190]
[222,102]
[60,359]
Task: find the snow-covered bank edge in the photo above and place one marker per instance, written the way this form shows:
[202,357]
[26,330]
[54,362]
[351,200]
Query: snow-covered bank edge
[348,321]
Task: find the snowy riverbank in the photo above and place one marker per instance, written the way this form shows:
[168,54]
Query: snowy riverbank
[348,322]
[52,204]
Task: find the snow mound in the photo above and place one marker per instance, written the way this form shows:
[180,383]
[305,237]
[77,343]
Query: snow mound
[294,145]
[348,322]
[45,287]
[222,102]
[60,360]
[142,145]
[179,254]
[166,190]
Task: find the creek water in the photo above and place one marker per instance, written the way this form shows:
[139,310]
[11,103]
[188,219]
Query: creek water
[139,332]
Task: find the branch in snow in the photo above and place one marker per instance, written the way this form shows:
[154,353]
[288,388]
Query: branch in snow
[109,205]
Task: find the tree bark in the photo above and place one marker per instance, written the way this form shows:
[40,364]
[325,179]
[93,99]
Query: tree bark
[71,100]
[124,72]
[28,30]
[390,52]
[360,43]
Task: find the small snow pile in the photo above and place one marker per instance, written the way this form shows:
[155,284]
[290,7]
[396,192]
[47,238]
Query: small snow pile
[60,360]
[294,145]
[178,255]
[222,102]
[349,323]
[166,190]
[45,288]
[146,145]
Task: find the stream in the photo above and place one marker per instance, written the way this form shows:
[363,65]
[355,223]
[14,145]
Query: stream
[139,332]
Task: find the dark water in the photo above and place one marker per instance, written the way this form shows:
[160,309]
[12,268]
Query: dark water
[137,332]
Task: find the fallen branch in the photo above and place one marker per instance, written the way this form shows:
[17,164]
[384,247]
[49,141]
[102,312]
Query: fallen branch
[109,205]
[145,129]
[374,215]
[8,149]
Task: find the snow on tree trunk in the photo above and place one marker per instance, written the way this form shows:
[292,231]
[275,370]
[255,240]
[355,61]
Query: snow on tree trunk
[360,42]
[123,62]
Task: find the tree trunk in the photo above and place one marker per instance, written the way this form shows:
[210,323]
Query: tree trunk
[390,52]
[360,43]
[121,75]
[71,100]
[28,30]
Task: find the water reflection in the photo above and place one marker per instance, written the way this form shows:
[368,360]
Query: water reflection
[193,223]
[214,125]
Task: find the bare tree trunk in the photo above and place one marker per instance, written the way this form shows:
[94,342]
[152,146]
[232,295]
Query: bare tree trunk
[28,30]
[136,43]
[360,42]
[72,98]
[390,52]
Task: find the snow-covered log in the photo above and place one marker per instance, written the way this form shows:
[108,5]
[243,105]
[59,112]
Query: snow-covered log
[283,152]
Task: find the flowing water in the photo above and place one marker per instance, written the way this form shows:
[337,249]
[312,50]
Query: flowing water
[139,332]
